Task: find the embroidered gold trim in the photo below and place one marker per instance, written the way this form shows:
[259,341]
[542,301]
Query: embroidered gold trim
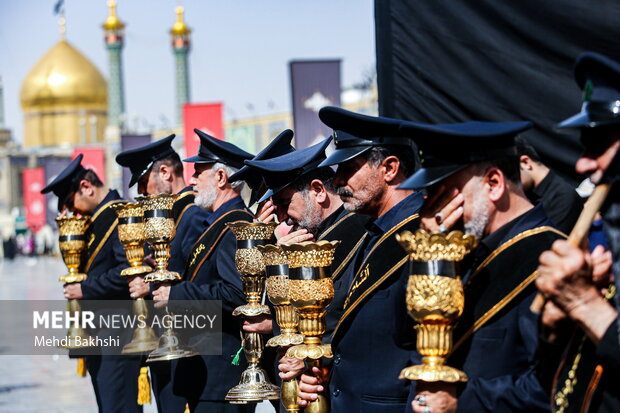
[217,240]
[386,275]
[176,223]
[101,244]
[334,225]
[348,258]
[510,243]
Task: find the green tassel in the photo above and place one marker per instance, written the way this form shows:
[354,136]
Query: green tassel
[235,360]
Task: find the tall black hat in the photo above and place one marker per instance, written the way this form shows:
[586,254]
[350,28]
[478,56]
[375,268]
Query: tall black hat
[355,133]
[449,148]
[280,145]
[282,171]
[213,150]
[599,78]
[66,182]
[140,160]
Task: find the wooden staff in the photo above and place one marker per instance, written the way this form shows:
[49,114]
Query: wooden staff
[580,230]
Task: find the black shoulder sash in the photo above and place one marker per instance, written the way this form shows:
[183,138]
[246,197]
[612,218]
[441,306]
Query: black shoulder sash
[102,224]
[209,239]
[351,231]
[182,204]
[504,275]
[383,260]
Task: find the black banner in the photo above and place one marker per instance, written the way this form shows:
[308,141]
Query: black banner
[445,61]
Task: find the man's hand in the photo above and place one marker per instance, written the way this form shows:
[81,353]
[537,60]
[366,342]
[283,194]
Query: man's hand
[161,295]
[300,235]
[290,368]
[438,397]
[551,318]
[442,210]
[260,324]
[138,288]
[309,387]
[73,291]
[266,212]
[149,260]
[566,276]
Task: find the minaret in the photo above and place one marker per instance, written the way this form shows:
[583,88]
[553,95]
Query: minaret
[114,31]
[180,45]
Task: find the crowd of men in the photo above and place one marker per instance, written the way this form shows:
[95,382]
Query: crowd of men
[385,176]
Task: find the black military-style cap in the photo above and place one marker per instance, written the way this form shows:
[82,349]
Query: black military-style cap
[280,145]
[449,148]
[140,160]
[66,181]
[212,150]
[281,171]
[355,133]
[599,78]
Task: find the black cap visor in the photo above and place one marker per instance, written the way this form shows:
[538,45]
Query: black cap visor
[425,177]
[344,154]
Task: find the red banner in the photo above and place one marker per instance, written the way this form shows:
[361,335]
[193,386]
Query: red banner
[94,158]
[33,182]
[206,117]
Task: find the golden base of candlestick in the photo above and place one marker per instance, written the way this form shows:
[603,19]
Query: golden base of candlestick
[73,278]
[139,270]
[431,370]
[253,386]
[285,340]
[162,276]
[251,310]
[144,339]
[169,348]
[310,351]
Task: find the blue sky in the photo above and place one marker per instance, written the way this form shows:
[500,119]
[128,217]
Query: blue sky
[240,48]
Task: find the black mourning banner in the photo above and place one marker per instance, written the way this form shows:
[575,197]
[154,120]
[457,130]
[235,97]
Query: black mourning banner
[445,61]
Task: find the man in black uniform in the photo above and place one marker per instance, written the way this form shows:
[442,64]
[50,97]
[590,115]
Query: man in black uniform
[588,377]
[305,198]
[80,191]
[374,338]
[211,274]
[559,199]
[471,171]
[157,169]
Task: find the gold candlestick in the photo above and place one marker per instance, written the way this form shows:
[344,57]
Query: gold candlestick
[159,230]
[435,299]
[277,285]
[132,236]
[254,384]
[72,242]
[311,289]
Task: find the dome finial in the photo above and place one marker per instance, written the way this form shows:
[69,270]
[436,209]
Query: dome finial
[179,28]
[112,23]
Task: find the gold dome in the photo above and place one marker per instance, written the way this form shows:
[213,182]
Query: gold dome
[112,23]
[61,92]
[179,28]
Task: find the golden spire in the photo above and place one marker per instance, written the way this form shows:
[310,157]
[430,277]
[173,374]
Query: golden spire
[112,22]
[179,28]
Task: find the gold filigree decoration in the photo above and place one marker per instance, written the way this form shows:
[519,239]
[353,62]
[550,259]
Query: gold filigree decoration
[310,254]
[301,291]
[244,230]
[159,201]
[272,254]
[425,246]
[433,297]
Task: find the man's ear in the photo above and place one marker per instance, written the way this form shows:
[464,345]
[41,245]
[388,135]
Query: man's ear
[221,178]
[391,167]
[165,172]
[86,187]
[525,163]
[496,181]
[318,188]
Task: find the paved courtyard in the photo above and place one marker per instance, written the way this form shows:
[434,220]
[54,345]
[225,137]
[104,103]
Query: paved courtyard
[44,383]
